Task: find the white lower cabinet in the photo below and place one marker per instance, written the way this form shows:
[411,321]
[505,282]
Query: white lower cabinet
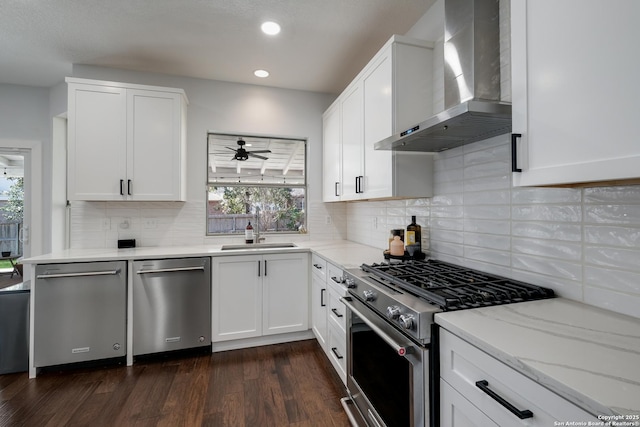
[329,313]
[478,390]
[257,295]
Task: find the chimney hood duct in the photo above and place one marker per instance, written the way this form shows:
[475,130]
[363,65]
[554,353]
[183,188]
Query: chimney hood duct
[473,110]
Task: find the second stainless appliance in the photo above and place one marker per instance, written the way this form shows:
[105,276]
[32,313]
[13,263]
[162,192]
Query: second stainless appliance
[171,305]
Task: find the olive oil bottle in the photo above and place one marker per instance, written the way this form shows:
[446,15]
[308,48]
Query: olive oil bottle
[413,237]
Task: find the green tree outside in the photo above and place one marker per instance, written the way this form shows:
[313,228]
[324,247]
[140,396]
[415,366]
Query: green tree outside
[14,208]
[277,206]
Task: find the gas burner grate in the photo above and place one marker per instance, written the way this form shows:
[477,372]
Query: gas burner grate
[453,287]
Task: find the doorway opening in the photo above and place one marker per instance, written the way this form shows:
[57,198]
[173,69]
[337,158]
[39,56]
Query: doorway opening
[11,217]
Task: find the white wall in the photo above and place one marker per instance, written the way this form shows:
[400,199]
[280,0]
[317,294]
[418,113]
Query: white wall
[220,106]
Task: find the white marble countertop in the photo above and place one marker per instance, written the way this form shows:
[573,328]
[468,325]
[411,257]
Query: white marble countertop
[588,355]
[342,253]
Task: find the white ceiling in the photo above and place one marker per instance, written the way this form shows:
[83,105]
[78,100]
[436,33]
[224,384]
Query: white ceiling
[322,46]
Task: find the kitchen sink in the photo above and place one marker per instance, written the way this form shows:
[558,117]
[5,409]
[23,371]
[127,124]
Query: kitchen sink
[258,246]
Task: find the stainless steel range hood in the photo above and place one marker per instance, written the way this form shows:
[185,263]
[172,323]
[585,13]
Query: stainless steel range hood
[473,110]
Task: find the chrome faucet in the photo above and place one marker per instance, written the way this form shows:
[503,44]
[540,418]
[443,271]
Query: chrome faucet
[258,239]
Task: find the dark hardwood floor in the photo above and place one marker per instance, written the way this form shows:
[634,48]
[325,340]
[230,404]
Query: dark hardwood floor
[289,384]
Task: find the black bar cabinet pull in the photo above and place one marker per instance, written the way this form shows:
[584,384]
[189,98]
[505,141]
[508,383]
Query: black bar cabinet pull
[335,351]
[357,184]
[360,189]
[265,268]
[514,152]
[318,266]
[259,268]
[484,386]
[336,312]
[129,187]
[121,188]
[322,304]
[336,189]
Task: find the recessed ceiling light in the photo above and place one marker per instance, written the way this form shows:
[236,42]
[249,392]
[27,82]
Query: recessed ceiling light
[261,73]
[270,28]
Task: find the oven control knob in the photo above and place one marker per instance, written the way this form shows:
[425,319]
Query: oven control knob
[350,283]
[393,312]
[369,295]
[406,321]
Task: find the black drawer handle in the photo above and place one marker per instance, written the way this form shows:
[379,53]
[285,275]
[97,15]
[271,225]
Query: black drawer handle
[336,313]
[484,386]
[318,266]
[514,152]
[335,351]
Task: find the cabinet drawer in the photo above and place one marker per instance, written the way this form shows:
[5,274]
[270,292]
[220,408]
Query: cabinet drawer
[462,365]
[334,273]
[319,267]
[337,310]
[337,350]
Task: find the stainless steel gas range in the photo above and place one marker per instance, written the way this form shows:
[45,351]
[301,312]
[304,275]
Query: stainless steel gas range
[392,338]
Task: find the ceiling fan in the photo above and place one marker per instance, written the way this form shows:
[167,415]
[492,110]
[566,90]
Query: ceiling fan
[242,154]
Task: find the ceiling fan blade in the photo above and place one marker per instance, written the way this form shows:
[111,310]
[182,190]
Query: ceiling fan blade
[251,154]
[232,149]
[259,151]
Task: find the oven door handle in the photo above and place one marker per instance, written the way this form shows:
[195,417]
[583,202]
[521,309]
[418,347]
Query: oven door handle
[400,349]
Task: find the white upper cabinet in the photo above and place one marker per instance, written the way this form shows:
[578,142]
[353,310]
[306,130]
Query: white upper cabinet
[125,142]
[331,153]
[351,107]
[575,91]
[393,92]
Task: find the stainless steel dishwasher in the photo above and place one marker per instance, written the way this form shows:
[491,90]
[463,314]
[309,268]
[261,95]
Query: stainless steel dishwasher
[171,305]
[80,312]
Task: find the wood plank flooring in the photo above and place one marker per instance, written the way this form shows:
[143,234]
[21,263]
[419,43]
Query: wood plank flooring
[290,384]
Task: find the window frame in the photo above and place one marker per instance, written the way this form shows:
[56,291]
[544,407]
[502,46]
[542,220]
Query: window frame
[209,184]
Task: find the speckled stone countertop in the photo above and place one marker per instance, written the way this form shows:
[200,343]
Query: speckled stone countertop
[587,355]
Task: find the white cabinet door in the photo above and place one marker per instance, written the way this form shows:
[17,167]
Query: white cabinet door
[155,154]
[331,155]
[236,295]
[378,120]
[575,90]
[351,137]
[319,296]
[285,293]
[97,142]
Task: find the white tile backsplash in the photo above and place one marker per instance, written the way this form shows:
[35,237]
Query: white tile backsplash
[583,243]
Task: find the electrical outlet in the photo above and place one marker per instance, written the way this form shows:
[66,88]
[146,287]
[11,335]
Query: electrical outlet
[327,220]
[106,223]
[150,223]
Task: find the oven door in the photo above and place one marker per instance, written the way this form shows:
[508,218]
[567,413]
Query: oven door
[387,372]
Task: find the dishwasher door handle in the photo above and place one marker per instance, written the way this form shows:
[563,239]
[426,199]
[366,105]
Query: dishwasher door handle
[82,274]
[171,270]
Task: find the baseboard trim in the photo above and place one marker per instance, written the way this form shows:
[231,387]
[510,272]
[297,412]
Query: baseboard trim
[260,341]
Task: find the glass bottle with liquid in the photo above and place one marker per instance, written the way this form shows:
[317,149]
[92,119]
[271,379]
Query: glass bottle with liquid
[248,233]
[413,237]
